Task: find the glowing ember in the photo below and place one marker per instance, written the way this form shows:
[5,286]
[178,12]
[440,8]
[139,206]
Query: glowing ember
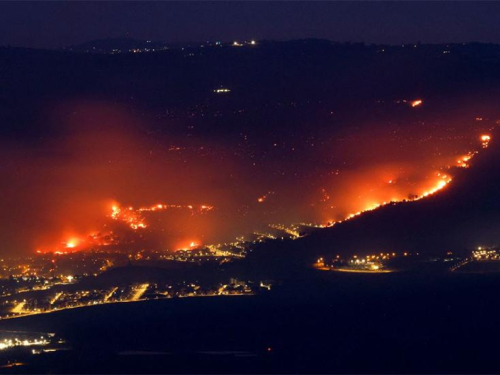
[360,191]
[463,161]
[133,218]
[263,198]
[72,243]
[443,181]
[188,245]
[486,140]
[130,216]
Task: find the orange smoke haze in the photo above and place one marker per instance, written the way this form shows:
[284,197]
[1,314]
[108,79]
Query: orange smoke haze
[61,191]
[107,172]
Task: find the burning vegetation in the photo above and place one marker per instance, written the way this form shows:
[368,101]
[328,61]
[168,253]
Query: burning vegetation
[323,180]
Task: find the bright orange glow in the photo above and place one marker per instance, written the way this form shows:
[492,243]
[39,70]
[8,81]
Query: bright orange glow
[263,198]
[442,181]
[60,252]
[486,140]
[361,173]
[188,245]
[134,219]
[463,161]
[72,243]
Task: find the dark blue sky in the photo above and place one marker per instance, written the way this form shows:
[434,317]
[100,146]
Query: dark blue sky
[55,24]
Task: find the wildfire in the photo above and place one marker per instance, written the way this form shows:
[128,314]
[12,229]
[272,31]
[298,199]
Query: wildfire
[160,206]
[135,220]
[189,245]
[442,181]
[462,162]
[485,139]
[416,103]
[445,180]
[73,242]
[129,216]
[390,181]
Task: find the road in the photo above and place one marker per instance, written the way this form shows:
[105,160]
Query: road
[108,296]
[139,292]
[18,309]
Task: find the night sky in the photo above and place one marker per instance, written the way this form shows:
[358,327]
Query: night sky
[57,24]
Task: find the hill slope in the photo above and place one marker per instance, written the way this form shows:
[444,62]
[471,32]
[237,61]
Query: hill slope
[464,215]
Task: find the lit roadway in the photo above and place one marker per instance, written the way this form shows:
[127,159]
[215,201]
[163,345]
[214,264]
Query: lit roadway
[18,309]
[108,296]
[351,270]
[360,271]
[56,297]
[139,292]
[458,265]
[20,312]
[23,313]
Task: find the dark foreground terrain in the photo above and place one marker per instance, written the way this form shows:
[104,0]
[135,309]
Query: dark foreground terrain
[324,323]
